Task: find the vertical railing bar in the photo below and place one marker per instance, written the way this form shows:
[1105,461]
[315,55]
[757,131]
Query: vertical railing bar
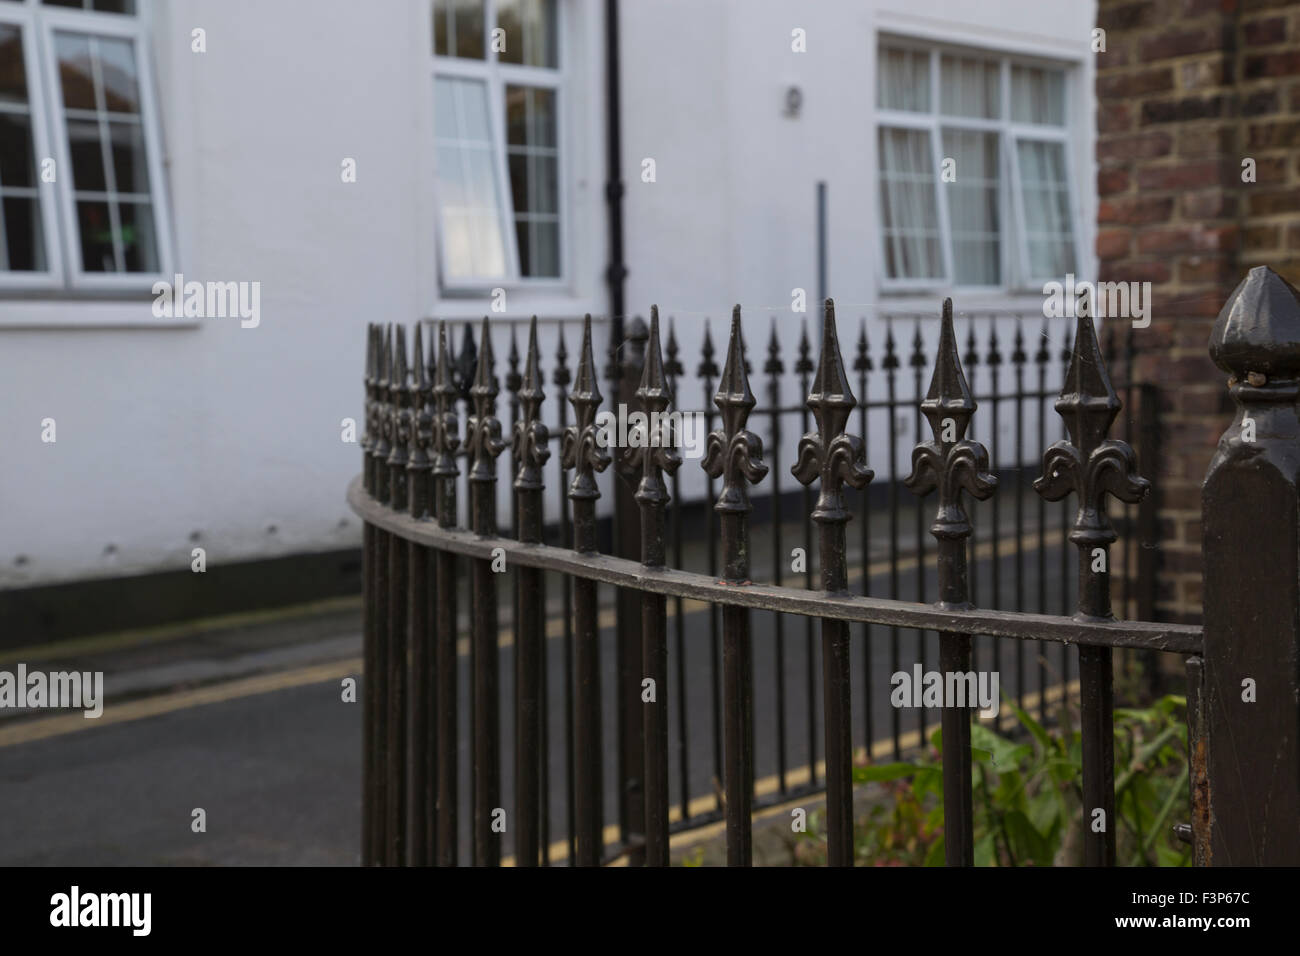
[834,455]
[891,366]
[529,451]
[918,363]
[1041,358]
[484,443]
[993,360]
[584,455]
[706,372]
[421,601]
[445,436]
[561,378]
[774,368]
[398,578]
[1091,466]
[735,455]
[1018,359]
[862,365]
[951,464]
[371,769]
[673,370]
[650,459]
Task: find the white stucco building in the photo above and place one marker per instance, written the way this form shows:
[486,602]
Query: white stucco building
[216,139]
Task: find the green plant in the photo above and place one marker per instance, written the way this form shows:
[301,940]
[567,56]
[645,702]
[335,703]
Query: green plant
[1028,796]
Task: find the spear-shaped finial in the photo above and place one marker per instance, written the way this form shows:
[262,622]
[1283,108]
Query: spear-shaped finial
[531,437]
[734,453]
[950,462]
[652,452]
[1088,463]
[708,369]
[582,450]
[831,452]
[483,436]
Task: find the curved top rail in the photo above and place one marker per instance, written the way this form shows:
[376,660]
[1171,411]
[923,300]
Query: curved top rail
[1178,638]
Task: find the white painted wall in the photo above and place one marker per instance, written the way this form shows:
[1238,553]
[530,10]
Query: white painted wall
[211,429]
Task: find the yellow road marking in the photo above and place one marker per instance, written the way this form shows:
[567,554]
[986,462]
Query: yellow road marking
[26,731]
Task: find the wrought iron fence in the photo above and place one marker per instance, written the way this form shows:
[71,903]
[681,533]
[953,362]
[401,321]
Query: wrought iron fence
[408,500]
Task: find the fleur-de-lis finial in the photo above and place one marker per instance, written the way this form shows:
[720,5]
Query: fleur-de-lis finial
[383,412]
[483,430]
[733,452]
[581,450]
[418,461]
[830,451]
[445,424]
[1088,463]
[400,398]
[651,452]
[950,461]
[531,438]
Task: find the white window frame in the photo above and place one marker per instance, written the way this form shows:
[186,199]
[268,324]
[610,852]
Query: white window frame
[39,22]
[1013,248]
[497,76]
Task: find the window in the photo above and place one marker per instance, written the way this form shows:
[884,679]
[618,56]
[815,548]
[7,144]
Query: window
[81,203]
[974,180]
[497,92]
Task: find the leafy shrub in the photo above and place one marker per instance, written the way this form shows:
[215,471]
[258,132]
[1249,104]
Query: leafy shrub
[1028,797]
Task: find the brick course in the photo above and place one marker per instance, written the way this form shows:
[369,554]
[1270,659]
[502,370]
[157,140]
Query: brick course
[1191,89]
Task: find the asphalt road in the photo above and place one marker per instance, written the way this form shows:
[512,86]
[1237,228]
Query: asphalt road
[276,765]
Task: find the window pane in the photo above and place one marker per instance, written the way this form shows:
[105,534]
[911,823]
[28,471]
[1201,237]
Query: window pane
[103,6]
[458,28]
[110,170]
[130,170]
[22,240]
[97,73]
[534,178]
[903,79]
[16,151]
[973,207]
[909,215]
[97,250]
[969,86]
[1049,231]
[13,72]
[87,152]
[1037,95]
[22,246]
[529,27]
[139,243]
[468,192]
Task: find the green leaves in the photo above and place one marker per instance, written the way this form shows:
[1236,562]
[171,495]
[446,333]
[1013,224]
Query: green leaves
[1027,795]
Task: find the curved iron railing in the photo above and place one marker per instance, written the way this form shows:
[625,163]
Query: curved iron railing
[407,500]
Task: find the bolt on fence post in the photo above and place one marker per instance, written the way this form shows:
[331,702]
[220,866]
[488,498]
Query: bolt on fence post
[952,464]
[1251,536]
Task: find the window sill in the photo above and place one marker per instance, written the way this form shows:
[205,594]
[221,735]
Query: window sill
[78,313]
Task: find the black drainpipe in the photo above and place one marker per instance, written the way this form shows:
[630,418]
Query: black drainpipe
[616,271]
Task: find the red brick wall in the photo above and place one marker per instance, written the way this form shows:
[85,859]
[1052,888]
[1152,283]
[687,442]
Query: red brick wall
[1186,90]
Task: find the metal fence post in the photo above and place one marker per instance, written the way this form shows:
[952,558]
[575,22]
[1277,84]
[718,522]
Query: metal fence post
[1251,535]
